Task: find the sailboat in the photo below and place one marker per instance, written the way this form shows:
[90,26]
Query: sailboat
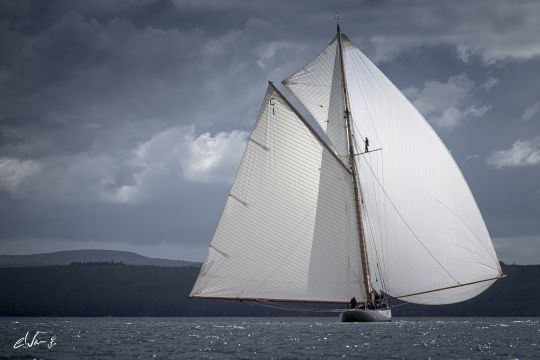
[370,206]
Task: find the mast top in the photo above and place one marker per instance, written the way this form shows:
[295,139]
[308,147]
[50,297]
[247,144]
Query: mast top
[337,22]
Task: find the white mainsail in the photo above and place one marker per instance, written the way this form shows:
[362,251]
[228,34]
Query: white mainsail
[424,229]
[288,230]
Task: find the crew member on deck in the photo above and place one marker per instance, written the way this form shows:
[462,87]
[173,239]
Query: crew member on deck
[366,143]
[353,303]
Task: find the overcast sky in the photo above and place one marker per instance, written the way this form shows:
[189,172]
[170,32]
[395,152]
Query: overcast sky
[122,123]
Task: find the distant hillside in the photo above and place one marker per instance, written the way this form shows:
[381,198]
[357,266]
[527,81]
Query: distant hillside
[127,290]
[518,294]
[85,256]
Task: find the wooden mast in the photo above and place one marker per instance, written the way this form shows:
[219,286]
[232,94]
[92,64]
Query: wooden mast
[357,194]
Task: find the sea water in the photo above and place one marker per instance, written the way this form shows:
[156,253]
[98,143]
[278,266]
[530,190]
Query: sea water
[269,338]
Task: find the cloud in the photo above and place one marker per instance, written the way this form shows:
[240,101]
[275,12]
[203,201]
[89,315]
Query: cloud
[491,82]
[82,84]
[177,153]
[522,153]
[448,104]
[493,31]
[16,173]
[125,121]
[266,53]
[150,171]
[471,158]
[530,112]
[213,159]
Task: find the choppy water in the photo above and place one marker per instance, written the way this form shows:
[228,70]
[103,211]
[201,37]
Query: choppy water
[272,338]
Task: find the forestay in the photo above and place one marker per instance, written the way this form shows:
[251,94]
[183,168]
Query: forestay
[288,229]
[424,230]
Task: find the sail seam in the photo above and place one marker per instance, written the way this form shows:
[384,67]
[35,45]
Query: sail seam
[407,224]
[468,228]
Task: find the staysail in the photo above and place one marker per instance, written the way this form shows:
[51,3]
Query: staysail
[288,229]
[318,86]
[423,229]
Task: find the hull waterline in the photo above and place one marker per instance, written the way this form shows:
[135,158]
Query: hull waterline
[360,315]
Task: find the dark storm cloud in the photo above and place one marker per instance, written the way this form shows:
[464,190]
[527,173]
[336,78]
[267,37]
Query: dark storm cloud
[123,121]
[93,221]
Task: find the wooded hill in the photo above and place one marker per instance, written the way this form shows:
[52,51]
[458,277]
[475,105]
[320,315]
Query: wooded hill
[112,289]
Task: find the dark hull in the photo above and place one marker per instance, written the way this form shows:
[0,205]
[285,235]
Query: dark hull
[358,315]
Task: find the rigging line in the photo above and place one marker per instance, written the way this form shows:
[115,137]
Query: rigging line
[468,228]
[357,130]
[364,95]
[375,247]
[447,288]
[385,217]
[373,237]
[367,152]
[377,207]
[360,153]
[379,87]
[356,185]
[408,226]
[382,223]
[476,254]
[370,111]
[377,210]
[352,237]
[288,83]
[289,308]
[236,298]
[310,128]
[378,213]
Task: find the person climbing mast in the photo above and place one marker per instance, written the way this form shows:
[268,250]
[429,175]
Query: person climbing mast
[366,145]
